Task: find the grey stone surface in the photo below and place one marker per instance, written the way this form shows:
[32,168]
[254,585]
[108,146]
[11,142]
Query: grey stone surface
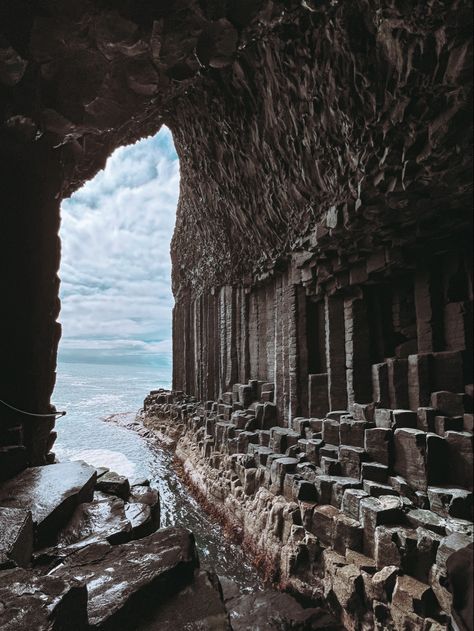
[50,493]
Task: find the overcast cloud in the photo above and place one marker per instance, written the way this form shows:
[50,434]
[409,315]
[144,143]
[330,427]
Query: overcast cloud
[115,265]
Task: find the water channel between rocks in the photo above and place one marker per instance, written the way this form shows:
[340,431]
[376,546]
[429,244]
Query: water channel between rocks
[85,435]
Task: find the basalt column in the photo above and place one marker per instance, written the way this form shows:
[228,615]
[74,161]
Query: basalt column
[325,207]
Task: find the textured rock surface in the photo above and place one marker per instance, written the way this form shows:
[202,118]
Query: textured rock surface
[119,581]
[51,494]
[43,603]
[377,553]
[297,125]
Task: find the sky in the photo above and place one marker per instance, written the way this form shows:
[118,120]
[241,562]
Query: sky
[115,263]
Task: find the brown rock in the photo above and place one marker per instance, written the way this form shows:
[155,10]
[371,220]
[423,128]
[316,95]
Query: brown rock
[410,456]
[411,595]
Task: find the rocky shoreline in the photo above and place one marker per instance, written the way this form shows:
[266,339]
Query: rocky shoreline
[364,548]
[82,550]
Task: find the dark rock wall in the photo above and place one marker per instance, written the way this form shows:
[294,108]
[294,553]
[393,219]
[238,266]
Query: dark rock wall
[325,162]
[324,210]
[392,340]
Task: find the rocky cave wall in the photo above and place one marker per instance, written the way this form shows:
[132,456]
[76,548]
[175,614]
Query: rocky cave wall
[322,235]
[323,222]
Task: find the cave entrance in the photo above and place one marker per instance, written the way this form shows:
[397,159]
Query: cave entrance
[116,297]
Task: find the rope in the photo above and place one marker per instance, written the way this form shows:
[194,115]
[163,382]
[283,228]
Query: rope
[55,414]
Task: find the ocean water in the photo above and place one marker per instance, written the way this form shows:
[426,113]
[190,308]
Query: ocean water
[92,392]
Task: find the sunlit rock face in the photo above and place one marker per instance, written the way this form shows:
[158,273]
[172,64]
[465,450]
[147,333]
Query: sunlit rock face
[324,151]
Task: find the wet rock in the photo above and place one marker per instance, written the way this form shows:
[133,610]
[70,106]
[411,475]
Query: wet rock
[274,611]
[114,484]
[121,579]
[42,603]
[217,44]
[143,519]
[16,538]
[51,493]
[97,521]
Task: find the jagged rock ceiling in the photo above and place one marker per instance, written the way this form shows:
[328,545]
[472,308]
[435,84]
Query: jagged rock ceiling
[295,122]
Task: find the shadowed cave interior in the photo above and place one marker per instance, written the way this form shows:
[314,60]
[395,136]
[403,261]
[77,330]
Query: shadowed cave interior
[322,331]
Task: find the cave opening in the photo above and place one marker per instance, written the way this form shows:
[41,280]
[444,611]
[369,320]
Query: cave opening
[116,298]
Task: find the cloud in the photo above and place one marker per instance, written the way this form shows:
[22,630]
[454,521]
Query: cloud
[115,268]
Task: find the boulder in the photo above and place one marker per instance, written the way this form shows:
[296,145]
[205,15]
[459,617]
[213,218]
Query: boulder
[114,484]
[51,493]
[41,603]
[134,577]
[97,521]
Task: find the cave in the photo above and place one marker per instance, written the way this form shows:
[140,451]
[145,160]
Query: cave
[322,276]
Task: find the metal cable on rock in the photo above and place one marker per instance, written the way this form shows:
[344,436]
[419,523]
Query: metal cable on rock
[53,414]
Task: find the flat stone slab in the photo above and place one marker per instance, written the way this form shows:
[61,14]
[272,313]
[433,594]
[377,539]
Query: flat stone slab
[134,577]
[98,521]
[16,537]
[41,603]
[51,493]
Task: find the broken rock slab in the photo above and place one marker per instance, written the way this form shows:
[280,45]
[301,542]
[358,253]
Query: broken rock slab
[98,521]
[51,493]
[134,577]
[114,484]
[42,603]
[16,537]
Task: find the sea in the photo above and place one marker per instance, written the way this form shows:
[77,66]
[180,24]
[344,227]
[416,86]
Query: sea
[91,393]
